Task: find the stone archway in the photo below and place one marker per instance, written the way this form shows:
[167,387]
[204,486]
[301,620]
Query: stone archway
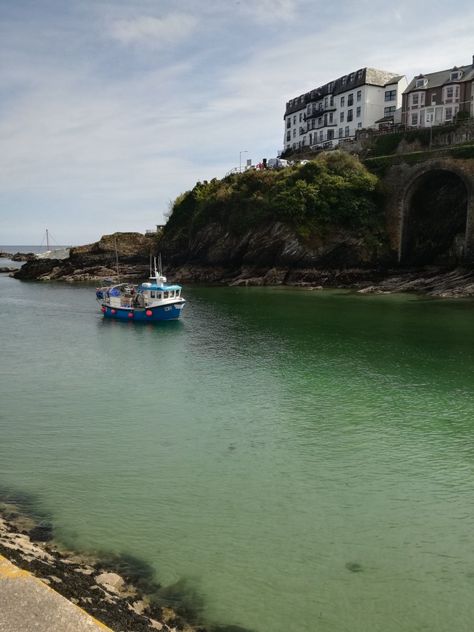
[430,211]
[435,219]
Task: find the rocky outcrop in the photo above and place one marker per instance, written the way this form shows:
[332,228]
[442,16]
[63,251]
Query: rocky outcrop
[23,256]
[96,262]
[18,256]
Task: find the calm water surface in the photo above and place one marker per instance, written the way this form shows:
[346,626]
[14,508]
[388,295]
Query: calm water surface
[303,460]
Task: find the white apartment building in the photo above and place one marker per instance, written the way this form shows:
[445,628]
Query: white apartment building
[338,109]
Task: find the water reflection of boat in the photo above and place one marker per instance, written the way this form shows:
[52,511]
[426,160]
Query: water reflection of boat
[149,302]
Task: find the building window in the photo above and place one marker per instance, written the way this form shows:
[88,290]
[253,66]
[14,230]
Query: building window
[420,83]
[350,100]
[390,95]
[388,111]
[301,116]
[349,115]
[288,123]
[343,80]
[325,102]
[359,125]
[448,115]
[351,76]
[341,132]
[451,94]
[343,99]
[294,133]
[331,101]
[321,135]
[288,136]
[331,118]
[294,119]
[359,74]
[414,119]
[341,117]
[320,121]
[330,134]
[358,111]
[417,99]
[347,131]
[457,74]
[359,95]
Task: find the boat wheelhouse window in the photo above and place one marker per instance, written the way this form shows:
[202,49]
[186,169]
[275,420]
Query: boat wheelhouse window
[158,295]
[171,293]
[152,294]
[165,295]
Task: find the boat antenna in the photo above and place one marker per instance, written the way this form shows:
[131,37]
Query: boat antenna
[47,239]
[160,267]
[116,259]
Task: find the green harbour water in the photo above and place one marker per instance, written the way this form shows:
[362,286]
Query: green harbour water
[297,460]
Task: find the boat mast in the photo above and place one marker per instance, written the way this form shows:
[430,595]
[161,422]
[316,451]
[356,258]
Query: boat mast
[116,259]
[47,240]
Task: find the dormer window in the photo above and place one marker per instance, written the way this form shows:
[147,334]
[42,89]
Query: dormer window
[420,82]
[456,75]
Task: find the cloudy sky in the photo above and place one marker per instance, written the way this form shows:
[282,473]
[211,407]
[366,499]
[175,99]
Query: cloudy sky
[110,108]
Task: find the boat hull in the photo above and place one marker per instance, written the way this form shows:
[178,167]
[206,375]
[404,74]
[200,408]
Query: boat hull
[145,315]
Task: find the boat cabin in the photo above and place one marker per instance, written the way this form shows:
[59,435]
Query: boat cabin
[152,292]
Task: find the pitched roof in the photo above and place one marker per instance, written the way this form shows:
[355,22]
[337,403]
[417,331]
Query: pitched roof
[442,77]
[393,80]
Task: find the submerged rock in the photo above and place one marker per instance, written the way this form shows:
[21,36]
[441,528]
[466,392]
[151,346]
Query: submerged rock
[42,533]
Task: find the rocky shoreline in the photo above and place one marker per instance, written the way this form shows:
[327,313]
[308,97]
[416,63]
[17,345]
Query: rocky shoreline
[431,281]
[111,588]
[96,262]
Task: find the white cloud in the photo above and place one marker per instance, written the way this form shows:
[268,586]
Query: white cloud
[267,11]
[153,31]
[101,137]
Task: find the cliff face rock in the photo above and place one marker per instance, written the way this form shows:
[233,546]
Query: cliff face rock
[273,245]
[94,262]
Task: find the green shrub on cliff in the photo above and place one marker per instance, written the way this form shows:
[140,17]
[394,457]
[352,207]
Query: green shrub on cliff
[334,190]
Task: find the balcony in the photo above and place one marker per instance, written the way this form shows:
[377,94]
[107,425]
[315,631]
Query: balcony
[318,113]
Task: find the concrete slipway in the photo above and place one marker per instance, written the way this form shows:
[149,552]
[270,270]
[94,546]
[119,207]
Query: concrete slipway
[27,604]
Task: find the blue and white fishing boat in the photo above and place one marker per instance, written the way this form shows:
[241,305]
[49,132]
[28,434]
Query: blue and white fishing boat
[148,302]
